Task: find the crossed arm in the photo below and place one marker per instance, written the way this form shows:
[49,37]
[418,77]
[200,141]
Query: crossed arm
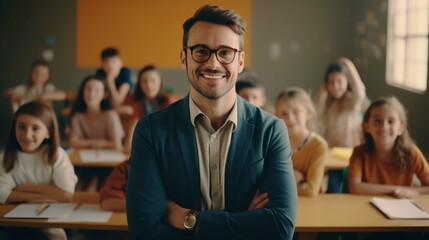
[152,216]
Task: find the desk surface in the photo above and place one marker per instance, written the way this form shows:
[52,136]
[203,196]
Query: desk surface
[77,162]
[324,213]
[351,213]
[118,221]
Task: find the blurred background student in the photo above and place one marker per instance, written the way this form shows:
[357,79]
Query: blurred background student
[94,125]
[118,78]
[93,122]
[295,107]
[38,87]
[340,103]
[112,194]
[148,97]
[254,93]
[34,167]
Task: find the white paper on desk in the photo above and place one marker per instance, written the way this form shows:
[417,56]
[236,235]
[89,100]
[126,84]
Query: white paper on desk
[399,208]
[86,213]
[101,156]
[28,210]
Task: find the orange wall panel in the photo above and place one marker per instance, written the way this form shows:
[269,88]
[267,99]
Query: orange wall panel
[143,31]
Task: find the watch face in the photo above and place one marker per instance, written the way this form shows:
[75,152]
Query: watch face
[190,221]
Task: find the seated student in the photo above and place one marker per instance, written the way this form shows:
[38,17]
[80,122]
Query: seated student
[254,93]
[94,125]
[295,107]
[148,97]
[340,102]
[118,78]
[93,122]
[388,159]
[34,167]
[112,194]
[38,88]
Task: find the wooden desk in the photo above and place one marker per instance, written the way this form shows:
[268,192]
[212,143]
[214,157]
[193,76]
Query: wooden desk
[324,213]
[77,162]
[350,213]
[118,221]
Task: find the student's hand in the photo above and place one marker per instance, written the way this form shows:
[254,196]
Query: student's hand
[113,72]
[98,143]
[299,176]
[259,201]
[405,193]
[176,215]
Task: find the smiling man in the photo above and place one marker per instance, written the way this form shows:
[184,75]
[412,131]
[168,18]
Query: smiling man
[211,166]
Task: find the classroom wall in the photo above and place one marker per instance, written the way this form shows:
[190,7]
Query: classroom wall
[292,43]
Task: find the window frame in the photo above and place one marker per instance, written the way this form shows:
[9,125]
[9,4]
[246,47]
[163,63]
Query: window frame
[392,36]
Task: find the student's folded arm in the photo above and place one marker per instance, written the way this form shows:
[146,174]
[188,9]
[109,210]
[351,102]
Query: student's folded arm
[76,142]
[113,204]
[57,95]
[146,198]
[45,191]
[8,191]
[123,92]
[277,219]
[19,197]
[356,186]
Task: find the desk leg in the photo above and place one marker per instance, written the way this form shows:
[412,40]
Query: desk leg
[307,236]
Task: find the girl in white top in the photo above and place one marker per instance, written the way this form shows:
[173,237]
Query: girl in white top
[34,166]
[38,88]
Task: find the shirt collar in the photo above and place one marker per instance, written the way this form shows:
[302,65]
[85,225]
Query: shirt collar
[195,112]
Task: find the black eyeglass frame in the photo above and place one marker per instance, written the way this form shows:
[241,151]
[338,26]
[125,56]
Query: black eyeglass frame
[211,51]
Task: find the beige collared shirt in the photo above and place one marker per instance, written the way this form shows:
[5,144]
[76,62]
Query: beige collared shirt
[213,147]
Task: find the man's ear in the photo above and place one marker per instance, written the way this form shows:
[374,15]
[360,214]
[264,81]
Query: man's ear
[183,58]
[241,62]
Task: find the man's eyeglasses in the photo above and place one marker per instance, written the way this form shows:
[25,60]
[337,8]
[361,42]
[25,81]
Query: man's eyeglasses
[202,54]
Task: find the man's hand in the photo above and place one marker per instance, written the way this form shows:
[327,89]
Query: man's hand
[259,201]
[176,215]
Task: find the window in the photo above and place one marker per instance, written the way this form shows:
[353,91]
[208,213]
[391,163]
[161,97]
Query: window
[407,44]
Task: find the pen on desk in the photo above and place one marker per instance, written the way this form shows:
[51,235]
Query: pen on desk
[42,207]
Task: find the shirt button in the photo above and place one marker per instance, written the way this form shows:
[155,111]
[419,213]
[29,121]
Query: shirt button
[214,166]
[215,194]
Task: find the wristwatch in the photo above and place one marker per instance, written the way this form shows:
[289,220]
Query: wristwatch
[191,220]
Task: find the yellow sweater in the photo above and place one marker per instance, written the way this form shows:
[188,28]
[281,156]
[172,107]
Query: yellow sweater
[310,160]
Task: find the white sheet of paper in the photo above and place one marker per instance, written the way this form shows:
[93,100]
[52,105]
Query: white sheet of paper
[86,213]
[399,208]
[101,156]
[28,210]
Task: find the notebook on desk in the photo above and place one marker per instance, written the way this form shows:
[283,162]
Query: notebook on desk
[399,208]
[101,156]
[30,210]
